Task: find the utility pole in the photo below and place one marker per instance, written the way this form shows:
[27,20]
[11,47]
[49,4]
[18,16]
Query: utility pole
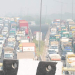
[61,13]
[46,14]
[40,22]
[61,9]
[72,9]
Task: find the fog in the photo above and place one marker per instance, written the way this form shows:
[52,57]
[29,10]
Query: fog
[51,9]
[32,7]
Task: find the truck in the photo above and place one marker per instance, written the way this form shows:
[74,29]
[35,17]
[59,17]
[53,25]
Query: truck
[70,61]
[66,42]
[0,51]
[12,31]
[53,30]
[6,23]
[63,29]
[28,51]
[55,57]
[8,53]
[54,45]
[66,34]
[56,22]
[1,22]
[14,25]
[11,38]
[20,34]
[24,41]
[23,24]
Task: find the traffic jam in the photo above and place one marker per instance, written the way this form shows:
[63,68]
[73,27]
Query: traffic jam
[62,42]
[15,39]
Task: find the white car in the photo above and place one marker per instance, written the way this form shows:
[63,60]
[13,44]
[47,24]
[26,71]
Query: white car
[2,40]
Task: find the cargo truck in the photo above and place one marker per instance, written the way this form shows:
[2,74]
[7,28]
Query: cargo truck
[66,42]
[28,51]
[8,53]
[24,25]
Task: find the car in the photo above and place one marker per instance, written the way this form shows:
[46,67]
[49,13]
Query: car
[18,50]
[68,49]
[63,56]
[49,51]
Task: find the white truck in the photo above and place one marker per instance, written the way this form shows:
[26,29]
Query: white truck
[53,30]
[54,57]
[8,53]
[1,22]
[4,32]
[24,41]
[20,34]
[54,45]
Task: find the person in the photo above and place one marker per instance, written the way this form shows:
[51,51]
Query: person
[32,37]
[28,38]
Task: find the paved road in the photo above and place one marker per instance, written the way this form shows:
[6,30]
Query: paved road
[46,45]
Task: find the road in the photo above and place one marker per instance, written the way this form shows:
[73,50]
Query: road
[46,45]
[46,48]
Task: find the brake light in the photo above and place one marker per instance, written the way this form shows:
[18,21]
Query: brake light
[56,59]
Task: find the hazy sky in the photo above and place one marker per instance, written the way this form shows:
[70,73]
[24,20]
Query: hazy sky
[33,6]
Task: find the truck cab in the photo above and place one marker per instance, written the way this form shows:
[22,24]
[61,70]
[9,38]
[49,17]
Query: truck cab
[8,55]
[56,48]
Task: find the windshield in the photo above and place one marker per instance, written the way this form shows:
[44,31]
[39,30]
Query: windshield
[1,39]
[4,31]
[10,42]
[54,47]
[64,52]
[52,52]
[0,42]
[6,22]
[8,55]
[11,37]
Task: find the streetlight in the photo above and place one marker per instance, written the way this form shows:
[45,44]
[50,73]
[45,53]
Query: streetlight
[40,22]
[72,9]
